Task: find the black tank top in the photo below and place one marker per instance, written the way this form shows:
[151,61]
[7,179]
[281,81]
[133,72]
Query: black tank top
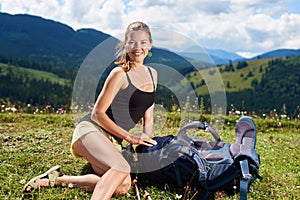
[129,106]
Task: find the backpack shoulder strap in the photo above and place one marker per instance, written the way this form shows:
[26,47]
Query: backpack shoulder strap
[245,179]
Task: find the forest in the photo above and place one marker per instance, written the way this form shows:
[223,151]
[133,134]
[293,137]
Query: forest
[276,85]
[278,89]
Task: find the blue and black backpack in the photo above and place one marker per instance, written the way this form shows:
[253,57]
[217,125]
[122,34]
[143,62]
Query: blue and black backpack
[202,166]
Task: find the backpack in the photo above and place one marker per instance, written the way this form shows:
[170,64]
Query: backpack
[202,166]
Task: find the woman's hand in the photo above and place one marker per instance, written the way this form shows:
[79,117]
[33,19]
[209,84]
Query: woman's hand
[141,138]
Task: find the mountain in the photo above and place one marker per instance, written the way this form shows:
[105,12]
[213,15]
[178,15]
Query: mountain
[46,41]
[278,53]
[43,40]
[221,57]
[216,56]
[34,38]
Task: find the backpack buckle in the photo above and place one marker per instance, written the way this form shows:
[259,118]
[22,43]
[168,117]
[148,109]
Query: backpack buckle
[246,176]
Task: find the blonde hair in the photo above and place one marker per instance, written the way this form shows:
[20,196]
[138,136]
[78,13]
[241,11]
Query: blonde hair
[121,54]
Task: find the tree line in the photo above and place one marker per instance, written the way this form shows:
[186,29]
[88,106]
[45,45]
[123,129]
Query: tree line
[61,72]
[23,90]
[279,88]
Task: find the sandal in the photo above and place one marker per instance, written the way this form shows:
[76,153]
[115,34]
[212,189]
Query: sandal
[51,174]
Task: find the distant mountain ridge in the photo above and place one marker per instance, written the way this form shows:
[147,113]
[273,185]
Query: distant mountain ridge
[35,38]
[47,41]
[223,57]
[38,39]
[279,53]
[217,56]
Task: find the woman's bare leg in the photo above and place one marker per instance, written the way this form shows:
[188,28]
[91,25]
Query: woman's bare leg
[112,172]
[107,162]
[109,184]
[87,182]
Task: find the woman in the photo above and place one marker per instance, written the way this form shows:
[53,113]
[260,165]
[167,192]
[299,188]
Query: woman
[126,97]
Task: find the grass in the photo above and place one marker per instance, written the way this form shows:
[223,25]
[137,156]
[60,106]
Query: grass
[237,81]
[30,144]
[32,74]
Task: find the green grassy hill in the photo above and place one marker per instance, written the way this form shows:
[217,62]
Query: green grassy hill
[258,85]
[21,86]
[241,79]
[32,74]
[234,81]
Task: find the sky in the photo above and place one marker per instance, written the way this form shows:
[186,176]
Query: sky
[245,27]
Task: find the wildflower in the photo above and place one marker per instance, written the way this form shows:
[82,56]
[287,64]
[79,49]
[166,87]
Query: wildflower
[177,196]
[23,181]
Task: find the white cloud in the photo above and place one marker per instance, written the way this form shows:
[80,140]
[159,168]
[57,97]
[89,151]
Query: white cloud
[13,7]
[245,27]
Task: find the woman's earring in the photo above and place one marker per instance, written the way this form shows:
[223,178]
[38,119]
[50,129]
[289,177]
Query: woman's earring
[149,54]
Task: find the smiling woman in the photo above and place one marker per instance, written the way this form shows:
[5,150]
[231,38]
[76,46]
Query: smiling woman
[127,97]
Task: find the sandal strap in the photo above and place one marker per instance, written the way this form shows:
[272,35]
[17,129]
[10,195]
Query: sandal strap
[53,174]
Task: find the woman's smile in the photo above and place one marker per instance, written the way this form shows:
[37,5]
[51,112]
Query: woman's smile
[137,53]
[138,46]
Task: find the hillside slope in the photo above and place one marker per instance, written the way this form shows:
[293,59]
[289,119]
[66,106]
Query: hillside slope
[262,85]
[21,86]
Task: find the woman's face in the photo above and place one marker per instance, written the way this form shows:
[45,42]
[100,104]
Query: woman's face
[137,46]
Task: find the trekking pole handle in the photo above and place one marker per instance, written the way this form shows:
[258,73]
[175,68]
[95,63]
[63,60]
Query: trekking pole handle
[200,125]
[193,124]
[212,131]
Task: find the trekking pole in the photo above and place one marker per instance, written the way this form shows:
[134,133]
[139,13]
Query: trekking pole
[146,193]
[136,189]
[130,159]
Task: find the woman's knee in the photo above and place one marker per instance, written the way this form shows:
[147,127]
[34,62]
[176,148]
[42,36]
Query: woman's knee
[124,187]
[121,165]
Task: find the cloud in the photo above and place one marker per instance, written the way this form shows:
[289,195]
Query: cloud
[247,27]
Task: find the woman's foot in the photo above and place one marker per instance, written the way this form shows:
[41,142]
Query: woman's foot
[36,183]
[44,180]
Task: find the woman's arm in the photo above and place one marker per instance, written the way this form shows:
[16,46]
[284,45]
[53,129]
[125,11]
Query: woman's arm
[148,116]
[148,121]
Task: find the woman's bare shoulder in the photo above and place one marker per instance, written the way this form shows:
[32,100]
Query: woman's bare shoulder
[152,69]
[117,72]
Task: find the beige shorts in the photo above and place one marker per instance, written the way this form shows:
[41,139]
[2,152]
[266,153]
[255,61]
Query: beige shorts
[86,127]
[98,148]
